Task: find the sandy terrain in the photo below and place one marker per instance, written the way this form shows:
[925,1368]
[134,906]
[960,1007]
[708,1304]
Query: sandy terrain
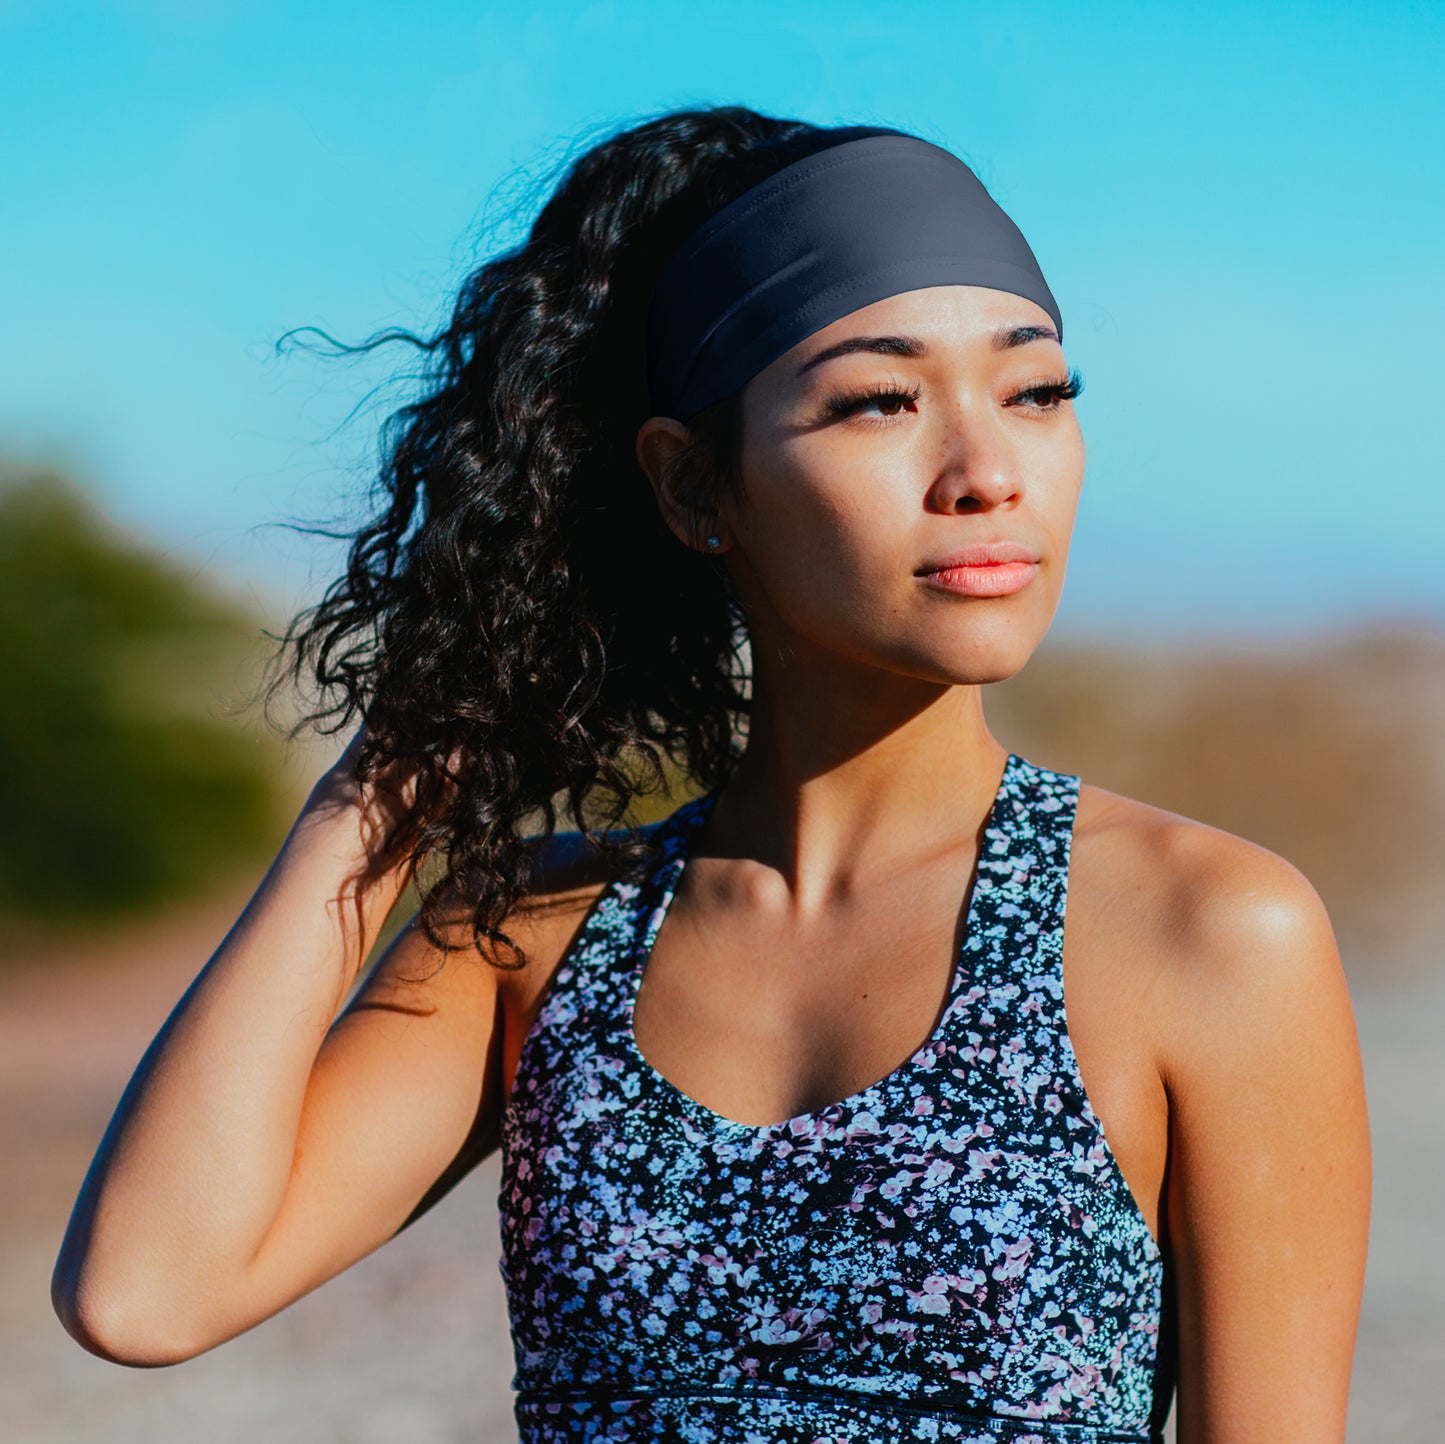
[411,1346]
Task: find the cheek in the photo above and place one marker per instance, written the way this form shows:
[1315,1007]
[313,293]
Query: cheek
[1060,469]
[831,550]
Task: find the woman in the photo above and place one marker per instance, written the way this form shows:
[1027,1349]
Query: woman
[798,1143]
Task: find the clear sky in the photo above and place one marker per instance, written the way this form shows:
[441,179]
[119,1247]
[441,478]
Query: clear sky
[1240,208]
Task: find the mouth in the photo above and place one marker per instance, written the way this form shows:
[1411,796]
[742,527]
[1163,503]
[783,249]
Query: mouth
[986,569]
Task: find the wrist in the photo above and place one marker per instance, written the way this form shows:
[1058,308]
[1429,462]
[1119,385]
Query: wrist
[338,822]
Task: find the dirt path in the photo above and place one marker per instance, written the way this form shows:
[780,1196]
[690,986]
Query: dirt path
[411,1346]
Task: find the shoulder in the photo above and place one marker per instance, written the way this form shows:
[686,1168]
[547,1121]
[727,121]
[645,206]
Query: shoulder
[568,873]
[1230,937]
[1203,891]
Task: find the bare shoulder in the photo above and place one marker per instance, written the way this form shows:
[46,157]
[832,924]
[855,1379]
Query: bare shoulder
[1222,920]
[570,871]
[570,874]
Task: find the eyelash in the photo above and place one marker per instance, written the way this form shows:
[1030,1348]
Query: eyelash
[846,403]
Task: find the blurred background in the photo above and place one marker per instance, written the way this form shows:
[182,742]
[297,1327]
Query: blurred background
[1240,209]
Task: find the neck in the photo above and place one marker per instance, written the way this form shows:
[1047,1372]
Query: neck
[851,769]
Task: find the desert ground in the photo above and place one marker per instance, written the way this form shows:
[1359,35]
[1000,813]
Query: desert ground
[410,1346]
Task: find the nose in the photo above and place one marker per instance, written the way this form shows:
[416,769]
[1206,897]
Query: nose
[978,468]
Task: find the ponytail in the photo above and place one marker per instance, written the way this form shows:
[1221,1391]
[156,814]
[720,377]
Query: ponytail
[517,624]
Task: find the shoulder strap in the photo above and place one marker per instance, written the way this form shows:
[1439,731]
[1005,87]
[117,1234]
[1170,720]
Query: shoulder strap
[1022,882]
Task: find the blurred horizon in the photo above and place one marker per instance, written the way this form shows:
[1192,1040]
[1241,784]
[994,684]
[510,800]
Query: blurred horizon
[186,184]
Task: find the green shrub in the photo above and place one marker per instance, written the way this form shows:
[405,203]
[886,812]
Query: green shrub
[124,784]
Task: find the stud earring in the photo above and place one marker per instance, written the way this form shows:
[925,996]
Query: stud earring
[713,543]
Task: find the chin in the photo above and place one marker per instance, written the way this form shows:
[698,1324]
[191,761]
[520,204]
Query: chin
[977,660]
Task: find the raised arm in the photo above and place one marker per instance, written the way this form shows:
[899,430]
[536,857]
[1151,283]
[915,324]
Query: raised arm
[1269,1190]
[264,1144]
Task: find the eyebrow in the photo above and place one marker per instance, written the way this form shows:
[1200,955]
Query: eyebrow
[1004,339]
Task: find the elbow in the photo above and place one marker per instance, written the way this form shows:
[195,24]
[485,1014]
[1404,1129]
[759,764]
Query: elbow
[118,1330]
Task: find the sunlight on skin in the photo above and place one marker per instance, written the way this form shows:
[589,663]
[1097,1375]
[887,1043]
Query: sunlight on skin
[840,511]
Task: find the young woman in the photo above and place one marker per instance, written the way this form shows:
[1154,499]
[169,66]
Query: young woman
[817,1123]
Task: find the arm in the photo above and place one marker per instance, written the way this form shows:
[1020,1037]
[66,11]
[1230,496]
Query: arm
[1269,1190]
[260,1148]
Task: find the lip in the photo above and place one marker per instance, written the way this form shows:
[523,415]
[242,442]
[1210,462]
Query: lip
[982,554]
[985,569]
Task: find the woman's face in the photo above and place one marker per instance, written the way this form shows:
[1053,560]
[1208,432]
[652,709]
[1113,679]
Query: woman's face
[850,503]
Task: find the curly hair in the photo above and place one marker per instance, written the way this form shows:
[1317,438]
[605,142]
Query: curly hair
[516,624]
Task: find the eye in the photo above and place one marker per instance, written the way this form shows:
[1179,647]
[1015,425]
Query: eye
[889,398]
[1050,395]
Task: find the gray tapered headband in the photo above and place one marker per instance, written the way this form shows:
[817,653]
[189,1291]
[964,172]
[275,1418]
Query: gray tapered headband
[844,227]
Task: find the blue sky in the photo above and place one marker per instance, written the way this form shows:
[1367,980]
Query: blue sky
[1240,209]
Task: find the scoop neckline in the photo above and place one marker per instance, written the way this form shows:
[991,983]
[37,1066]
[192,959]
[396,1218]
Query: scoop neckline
[669,873]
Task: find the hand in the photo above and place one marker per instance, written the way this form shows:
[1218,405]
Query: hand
[376,807]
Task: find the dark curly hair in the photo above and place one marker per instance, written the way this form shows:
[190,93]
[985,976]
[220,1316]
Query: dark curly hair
[516,623]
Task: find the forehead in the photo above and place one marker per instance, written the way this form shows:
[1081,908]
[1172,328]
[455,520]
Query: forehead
[919,323]
[958,313]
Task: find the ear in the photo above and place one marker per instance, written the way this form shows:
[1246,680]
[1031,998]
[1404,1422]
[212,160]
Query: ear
[665,452]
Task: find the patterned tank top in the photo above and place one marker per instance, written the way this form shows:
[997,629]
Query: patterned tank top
[951,1254]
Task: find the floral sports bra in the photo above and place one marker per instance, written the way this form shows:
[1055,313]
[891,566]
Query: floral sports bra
[951,1254]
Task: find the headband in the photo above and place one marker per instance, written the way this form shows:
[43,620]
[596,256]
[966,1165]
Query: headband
[848,225]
